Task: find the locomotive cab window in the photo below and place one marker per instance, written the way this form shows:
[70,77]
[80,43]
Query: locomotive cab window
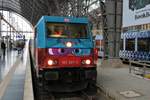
[69,30]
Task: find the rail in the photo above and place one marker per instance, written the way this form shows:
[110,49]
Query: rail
[79,95]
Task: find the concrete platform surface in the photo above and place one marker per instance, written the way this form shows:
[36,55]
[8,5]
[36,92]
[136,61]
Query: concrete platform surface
[120,85]
[17,84]
[7,62]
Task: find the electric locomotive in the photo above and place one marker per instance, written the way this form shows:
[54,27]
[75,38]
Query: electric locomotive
[63,53]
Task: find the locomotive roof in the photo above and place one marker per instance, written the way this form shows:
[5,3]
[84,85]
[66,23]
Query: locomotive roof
[83,20]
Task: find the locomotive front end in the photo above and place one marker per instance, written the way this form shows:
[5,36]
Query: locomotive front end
[66,57]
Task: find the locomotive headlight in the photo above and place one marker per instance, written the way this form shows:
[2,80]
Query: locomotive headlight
[68,44]
[87,61]
[50,62]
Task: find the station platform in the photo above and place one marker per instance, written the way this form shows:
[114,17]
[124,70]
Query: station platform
[6,62]
[114,80]
[15,73]
[119,84]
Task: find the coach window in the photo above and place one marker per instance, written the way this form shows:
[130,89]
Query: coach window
[143,44]
[121,44]
[130,44]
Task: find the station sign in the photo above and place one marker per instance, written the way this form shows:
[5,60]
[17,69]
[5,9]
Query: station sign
[20,37]
[136,12]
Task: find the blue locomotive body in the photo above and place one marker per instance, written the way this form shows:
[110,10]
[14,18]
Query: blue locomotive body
[64,52]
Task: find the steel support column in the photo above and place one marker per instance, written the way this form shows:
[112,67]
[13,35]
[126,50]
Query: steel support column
[104,27]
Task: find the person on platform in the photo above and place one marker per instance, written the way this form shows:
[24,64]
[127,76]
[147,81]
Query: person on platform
[3,47]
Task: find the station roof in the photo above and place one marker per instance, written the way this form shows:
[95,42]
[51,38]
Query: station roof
[32,10]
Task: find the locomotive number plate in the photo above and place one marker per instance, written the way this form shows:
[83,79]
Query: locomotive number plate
[70,62]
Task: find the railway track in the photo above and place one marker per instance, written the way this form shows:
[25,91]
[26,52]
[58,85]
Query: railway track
[85,96]
[80,95]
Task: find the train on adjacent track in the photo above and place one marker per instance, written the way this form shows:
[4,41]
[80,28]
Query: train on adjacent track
[63,54]
[135,45]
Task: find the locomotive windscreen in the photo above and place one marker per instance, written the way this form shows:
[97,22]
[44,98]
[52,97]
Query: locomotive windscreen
[66,30]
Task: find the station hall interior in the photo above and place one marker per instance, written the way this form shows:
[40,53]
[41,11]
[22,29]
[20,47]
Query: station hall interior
[74,49]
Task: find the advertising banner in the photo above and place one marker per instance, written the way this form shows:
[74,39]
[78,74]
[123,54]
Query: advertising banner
[136,12]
